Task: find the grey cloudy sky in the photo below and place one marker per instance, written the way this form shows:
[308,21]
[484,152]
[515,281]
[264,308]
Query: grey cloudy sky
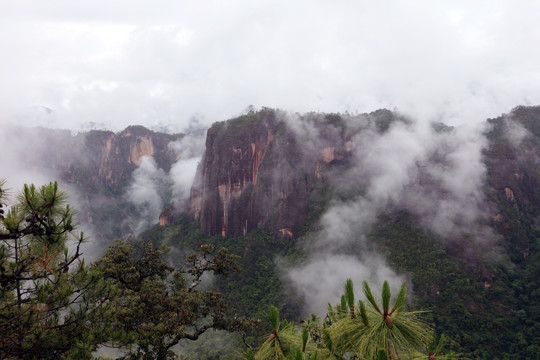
[161,63]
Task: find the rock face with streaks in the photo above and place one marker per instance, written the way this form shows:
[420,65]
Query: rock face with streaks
[100,164]
[254,173]
[108,159]
[98,158]
[245,177]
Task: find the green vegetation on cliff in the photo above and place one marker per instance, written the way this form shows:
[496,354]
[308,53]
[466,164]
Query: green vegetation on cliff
[481,295]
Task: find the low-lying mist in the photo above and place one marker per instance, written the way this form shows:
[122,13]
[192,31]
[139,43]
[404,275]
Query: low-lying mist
[395,162]
[429,170]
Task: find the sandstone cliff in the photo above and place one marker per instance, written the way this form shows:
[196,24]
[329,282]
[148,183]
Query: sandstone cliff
[108,160]
[255,173]
[238,185]
[100,165]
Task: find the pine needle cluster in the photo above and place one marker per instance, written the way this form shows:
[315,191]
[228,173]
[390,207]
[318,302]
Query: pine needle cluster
[363,330]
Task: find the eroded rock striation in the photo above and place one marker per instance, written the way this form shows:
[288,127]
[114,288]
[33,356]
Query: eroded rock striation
[100,164]
[255,173]
[109,159]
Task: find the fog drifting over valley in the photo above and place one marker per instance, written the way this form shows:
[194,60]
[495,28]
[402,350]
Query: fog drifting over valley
[436,175]
[168,65]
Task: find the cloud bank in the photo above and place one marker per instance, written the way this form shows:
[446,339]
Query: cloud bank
[110,65]
[433,172]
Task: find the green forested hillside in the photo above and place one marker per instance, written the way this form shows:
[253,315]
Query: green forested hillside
[483,320]
[483,297]
[148,295]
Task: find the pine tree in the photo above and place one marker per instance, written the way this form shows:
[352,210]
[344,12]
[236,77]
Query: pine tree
[48,307]
[379,326]
[159,305]
[285,342]
[362,331]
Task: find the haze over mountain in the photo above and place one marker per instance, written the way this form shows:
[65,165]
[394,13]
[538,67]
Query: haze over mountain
[380,140]
[111,65]
[336,187]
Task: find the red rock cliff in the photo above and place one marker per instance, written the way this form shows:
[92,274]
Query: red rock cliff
[108,159]
[100,164]
[255,173]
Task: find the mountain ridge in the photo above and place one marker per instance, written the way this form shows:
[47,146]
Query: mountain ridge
[456,212]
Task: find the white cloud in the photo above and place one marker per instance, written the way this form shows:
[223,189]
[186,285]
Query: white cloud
[189,151]
[146,192]
[436,175]
[322,280]
[456,60]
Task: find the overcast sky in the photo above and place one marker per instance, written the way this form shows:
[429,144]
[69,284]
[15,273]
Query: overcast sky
[162,63]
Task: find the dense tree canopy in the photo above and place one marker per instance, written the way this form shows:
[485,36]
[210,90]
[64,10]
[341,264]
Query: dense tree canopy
[158,305]
[53,306]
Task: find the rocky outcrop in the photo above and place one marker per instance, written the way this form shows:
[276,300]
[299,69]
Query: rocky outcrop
[231,196]
[509,194]
[100,164]
[513,162]
[121,154]
[254,174]
[105,159]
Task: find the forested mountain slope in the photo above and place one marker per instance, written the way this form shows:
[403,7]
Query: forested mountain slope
[456,212]
[310,200]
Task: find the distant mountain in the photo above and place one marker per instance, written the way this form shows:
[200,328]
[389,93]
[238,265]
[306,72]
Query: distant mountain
[458,210]
[100,166]
[455,210]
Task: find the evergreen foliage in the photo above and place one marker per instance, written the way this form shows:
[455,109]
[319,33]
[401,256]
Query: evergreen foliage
[51,304]
[380,332]
[159,305]
[258,277]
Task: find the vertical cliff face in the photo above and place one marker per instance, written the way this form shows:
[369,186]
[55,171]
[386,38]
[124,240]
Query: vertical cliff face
[105,159]
[100,164]
[255,173]
[231,196]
